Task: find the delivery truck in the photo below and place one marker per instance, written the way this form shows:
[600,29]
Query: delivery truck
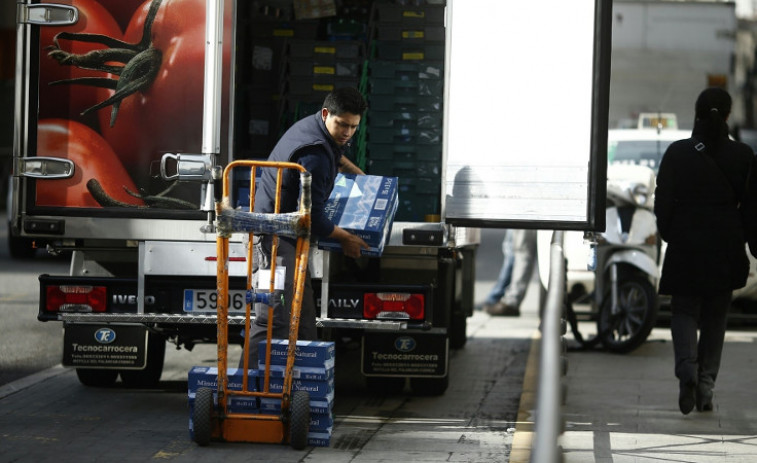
[123,108]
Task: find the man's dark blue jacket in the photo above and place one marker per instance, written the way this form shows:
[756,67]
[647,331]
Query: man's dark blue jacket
[309,144]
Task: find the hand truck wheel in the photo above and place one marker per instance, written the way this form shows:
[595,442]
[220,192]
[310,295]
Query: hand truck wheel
[299,419]
[202,416]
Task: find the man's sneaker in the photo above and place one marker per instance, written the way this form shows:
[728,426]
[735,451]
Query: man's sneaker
[501,309]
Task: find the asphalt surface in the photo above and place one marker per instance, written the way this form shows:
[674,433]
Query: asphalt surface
[51,417]
[624,408]
[618,408]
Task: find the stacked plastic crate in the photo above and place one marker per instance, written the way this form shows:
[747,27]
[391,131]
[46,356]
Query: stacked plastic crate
[313,69]
[313,372]
[317,67]
[261,71]
[406,85]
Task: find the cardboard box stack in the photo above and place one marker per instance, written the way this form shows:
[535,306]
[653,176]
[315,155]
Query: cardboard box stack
[313,372]
[202,376]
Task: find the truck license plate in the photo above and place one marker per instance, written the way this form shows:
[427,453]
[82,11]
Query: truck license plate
[203,301]
[105,346]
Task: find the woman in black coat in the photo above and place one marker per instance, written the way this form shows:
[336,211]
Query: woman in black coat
[700,203]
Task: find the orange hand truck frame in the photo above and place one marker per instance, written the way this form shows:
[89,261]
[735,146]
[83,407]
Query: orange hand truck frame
[212,421]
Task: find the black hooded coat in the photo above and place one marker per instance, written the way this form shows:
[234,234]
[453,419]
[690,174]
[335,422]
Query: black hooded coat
[702,206]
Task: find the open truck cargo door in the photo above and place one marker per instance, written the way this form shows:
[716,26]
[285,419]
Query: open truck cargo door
[110,119]
[526,103]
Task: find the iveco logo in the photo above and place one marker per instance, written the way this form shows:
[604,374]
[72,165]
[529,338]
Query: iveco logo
[105,335]
[404,344]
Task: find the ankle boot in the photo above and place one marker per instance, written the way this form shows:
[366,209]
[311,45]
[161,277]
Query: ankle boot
[704,398]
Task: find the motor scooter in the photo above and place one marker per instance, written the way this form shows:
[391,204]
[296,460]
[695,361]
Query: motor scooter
[627,260]
[620,285]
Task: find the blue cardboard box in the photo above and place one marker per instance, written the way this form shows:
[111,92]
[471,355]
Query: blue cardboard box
[365,206]
[307,353]
[318,405]
[319,438]
[235,404]
[321,422]
[317,389]
[324,373]
[200,376]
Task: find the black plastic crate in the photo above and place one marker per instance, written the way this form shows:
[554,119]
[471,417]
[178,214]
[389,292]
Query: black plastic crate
[305,68]
[326,51]
[409,32]
[407,14]
[413,103]
[409,51]
[403,151]
[407,70]
[399,87]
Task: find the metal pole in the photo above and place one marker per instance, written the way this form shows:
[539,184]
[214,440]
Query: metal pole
[547,428]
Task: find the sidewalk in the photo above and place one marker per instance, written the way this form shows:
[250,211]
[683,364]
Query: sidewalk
[624,408]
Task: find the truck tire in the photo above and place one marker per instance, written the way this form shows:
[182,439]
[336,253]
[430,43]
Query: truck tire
[202,416]
[149,376]
[299,419]
[20,248]
[94,377]
[458,328]
[385,385]
[429,386]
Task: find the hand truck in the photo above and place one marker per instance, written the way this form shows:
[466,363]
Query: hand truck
[216,421]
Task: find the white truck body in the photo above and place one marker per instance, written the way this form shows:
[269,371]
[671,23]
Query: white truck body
[143,262]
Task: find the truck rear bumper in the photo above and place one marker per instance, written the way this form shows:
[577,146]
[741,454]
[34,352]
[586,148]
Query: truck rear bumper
[387,325]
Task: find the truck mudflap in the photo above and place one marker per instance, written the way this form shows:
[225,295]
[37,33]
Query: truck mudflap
[408,354]
[97,345]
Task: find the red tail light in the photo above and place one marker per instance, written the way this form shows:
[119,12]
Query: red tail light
[394,306]
[71,298]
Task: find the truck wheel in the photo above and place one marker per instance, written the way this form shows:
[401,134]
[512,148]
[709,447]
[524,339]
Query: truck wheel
[94,377]
[299,419]
[150,375]
[458,330]
[385,385]
[20,248]
[202,417]
[429,386]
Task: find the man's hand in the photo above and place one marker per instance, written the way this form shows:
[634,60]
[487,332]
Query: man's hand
[351,244]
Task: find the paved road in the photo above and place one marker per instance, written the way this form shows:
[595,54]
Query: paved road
[26,345]
[47,415]
[51,417]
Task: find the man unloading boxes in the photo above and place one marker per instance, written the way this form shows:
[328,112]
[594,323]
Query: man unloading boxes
[317,142]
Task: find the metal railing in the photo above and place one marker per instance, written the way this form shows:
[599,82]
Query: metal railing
[548,423]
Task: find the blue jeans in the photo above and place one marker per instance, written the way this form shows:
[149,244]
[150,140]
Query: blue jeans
[519,249]
[505,272]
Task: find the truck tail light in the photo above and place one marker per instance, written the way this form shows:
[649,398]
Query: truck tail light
[394,306]
[75,298]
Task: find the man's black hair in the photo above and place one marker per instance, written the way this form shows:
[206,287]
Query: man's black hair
[345,100]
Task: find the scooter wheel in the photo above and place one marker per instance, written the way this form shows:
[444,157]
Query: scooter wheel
[636,315]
